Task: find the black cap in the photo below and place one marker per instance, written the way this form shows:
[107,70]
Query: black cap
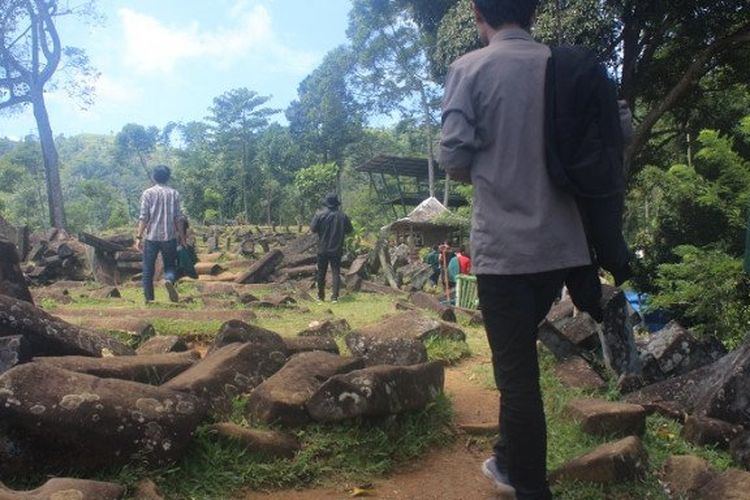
[331,200]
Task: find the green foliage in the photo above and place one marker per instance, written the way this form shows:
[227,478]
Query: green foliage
[312,184]
[690,224]
[708,290]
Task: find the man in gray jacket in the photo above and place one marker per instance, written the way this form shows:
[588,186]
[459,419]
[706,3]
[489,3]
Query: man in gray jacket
[526,233]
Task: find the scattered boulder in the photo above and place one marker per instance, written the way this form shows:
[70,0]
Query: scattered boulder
[162,344]
[377,391]
[228,372]
[326,328]
[558,344]
[399,340]
[147,490]
[276,300]
[432,303]
[684,475]
[12,280]
[617,462]
[604,418]
[740,450]
[733,484]
[210,288]
[561,310]
[717,390]
[235,330]
[263,268]
[577,373]
[107,292]
[674,351]
[415,326]
[67,489]
[581,330]
[282,398]
[14,350]
[704,431]
[51,336]
[296,345]
[66,420]
[152,369]
[415,276]
[387,348]
[138,329]
[272,444]
[616,335]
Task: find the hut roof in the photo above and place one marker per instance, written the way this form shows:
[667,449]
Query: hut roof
[426,214]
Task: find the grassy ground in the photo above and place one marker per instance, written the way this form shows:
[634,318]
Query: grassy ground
[359,451]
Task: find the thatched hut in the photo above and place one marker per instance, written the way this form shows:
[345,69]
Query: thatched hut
[427,225]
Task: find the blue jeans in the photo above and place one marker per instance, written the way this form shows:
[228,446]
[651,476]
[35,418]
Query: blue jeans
[151,249]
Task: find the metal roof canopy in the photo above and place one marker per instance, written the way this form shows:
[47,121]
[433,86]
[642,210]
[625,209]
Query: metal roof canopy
[400,166]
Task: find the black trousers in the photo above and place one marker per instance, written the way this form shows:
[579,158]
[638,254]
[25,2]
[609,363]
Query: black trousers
[512,307]
[335,263]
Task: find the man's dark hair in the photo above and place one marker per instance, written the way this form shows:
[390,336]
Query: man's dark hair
[499,12]
[162,174]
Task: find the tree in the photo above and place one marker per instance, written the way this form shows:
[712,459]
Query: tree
[312,184]
[661,52]
[392,74]
[326,118]
[136,141]
[30,54]
[235,119]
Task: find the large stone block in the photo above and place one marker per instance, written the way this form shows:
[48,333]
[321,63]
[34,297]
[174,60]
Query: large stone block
[684,475]
[67,489]
[229,372]
[603,418]
[621,461]
[377,391]
[65,420]
[152,369]
[284,396]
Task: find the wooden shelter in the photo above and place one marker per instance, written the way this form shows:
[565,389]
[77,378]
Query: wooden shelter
[403,182]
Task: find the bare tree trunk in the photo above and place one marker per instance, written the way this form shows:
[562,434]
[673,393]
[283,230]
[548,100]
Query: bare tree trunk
[447,191]
[51,162]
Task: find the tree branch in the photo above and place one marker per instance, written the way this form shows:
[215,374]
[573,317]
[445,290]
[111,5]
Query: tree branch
[691,76]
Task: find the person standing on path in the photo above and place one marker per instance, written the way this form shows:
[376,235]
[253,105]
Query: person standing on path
[331,225]
[158,232]
[526,233]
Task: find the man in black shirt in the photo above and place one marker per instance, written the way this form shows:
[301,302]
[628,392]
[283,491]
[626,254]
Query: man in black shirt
[331,225]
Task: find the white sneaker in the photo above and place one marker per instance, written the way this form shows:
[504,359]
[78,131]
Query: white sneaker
[498,478]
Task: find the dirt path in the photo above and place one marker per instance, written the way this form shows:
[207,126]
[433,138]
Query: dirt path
[450,473]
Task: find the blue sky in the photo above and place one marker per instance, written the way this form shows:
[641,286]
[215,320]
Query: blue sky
[165,60]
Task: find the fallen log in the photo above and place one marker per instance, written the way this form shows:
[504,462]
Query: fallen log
[129,256]
[301,272]
[48,335]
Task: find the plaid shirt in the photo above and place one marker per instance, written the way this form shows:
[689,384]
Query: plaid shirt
[160,208]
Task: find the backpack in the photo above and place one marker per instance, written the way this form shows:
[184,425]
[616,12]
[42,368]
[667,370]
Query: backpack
[585,149]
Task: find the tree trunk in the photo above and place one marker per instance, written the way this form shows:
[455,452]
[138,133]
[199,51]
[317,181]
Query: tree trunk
[447,191]
[51,161]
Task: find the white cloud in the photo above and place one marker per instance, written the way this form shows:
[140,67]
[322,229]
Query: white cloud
[111,91]
[152,47]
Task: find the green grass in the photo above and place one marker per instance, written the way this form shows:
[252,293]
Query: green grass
[566,441]
[204,330]
[351,451]
[448,351]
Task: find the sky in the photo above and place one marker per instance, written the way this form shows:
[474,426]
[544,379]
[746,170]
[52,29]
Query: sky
[165,60]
